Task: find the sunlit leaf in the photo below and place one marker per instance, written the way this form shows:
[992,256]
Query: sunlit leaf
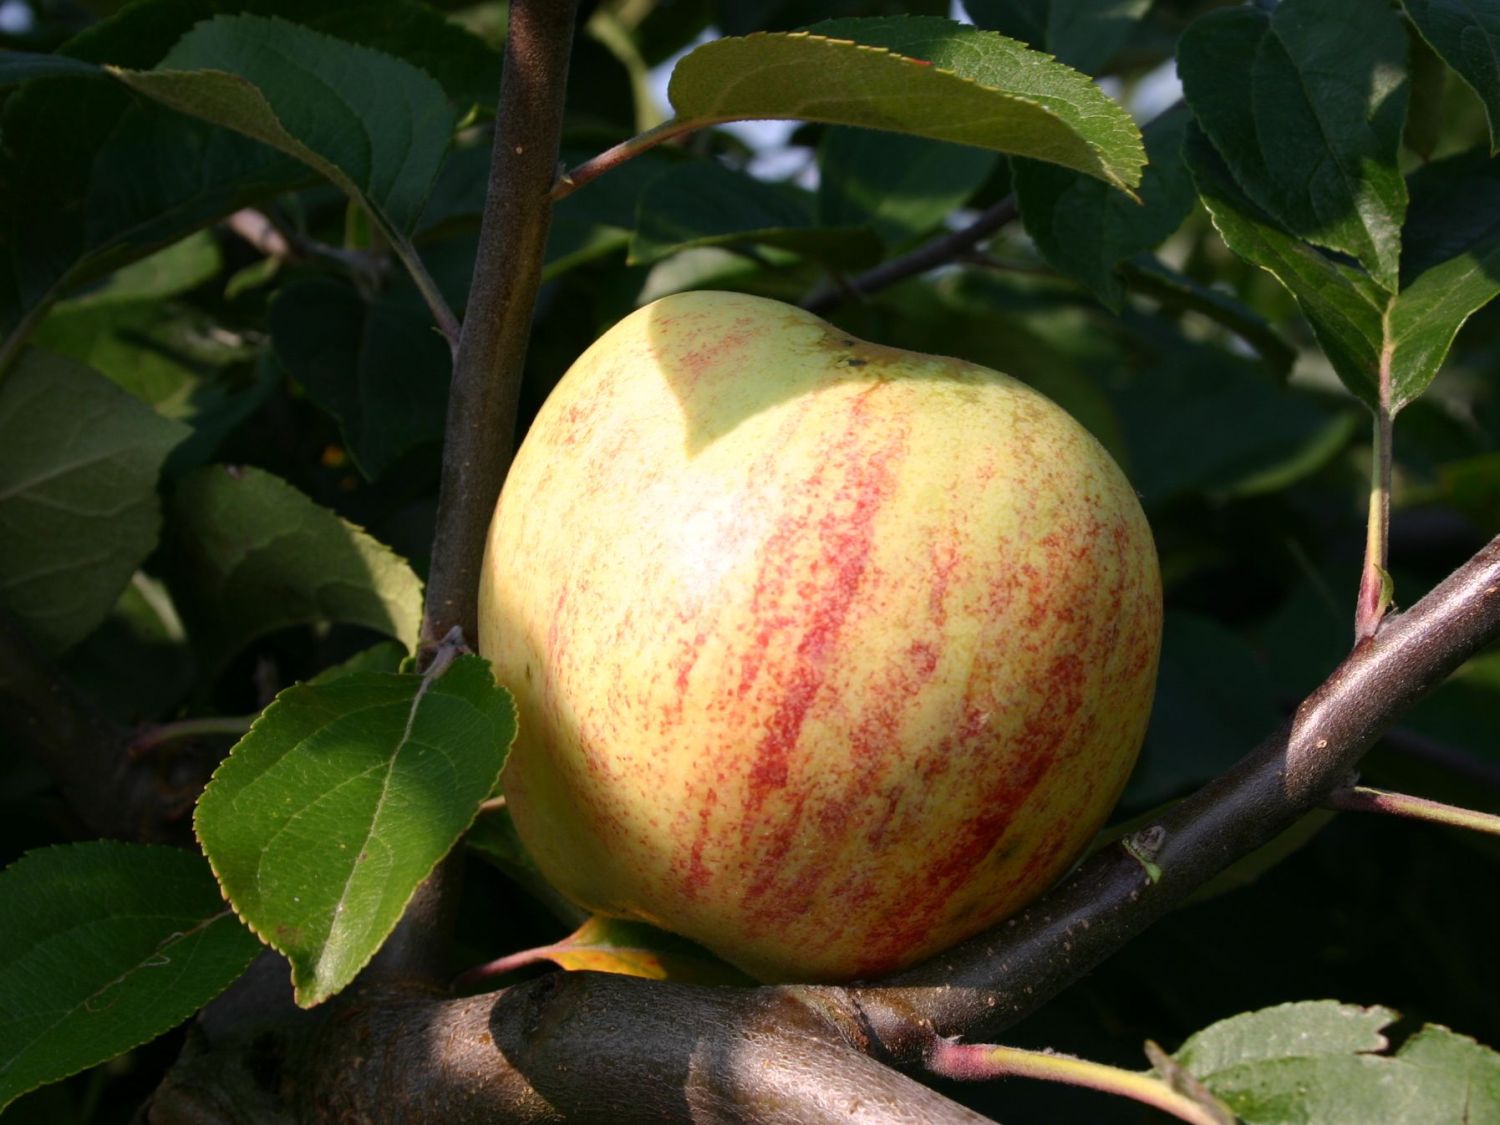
[1306,103]
[1466,33]
[326,817]
[920,75]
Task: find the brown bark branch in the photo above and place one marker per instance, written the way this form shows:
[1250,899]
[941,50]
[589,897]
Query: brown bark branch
[586,1046]
[482,403]
[939,251]
[489,362]
[994,980]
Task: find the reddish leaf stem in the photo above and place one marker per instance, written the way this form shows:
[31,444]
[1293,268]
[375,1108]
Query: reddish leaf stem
[979,1061]
[1361,798]
[594,167]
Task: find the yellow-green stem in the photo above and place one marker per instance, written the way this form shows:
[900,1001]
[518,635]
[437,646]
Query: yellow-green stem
[975,1061]
[226,725]
[1361,798]
[1374,582]
[427,286]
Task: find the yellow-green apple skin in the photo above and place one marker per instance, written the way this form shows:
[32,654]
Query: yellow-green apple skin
[826,655]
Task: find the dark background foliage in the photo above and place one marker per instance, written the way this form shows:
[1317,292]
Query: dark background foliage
[323,369]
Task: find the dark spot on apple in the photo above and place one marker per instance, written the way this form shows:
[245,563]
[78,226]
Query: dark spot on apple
[852,362]
[528,673]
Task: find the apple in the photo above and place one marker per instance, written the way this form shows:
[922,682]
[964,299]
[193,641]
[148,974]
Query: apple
[826,655]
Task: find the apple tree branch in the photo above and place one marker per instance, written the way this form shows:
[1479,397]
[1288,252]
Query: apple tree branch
[573,1046]
[479,438]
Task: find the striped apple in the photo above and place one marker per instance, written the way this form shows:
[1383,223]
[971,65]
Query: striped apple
[826,654]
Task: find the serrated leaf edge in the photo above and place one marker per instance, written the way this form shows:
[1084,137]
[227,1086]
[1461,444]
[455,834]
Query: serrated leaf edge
[115,845]
[299,993]
[1105,171]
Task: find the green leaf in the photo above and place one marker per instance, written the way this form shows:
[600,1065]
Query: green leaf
[921,75]
[1025,20]
[633,949]
[1472,485]
[1452,266]
[79,460]
[94,180]
[1470,1071]
[141,33]
[901,186]
[22,66]
[1301,1030]
[1466,33]
[1082,33]
[251,277]
[1198,420]
[169,356]
[105,946]
[1460,712]
[341,799]
[170,271]
[371,123]
[1213,702]
[92,177]
[1451,269]
[377,366]
[494,838]
[706,204]
[1306,104]
[1320,1061]
[1425,122]
[387,656]
[1344,307]
[253,555]
[136,665]
[1085,230]
[1174,290]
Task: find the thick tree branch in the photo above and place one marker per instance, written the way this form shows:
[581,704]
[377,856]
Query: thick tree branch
[585,1046]
[600,1047]
[997,978]
[480,435]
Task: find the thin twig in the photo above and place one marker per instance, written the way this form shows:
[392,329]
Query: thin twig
[574,178]
[940,251]
[437,304]
[228,726]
